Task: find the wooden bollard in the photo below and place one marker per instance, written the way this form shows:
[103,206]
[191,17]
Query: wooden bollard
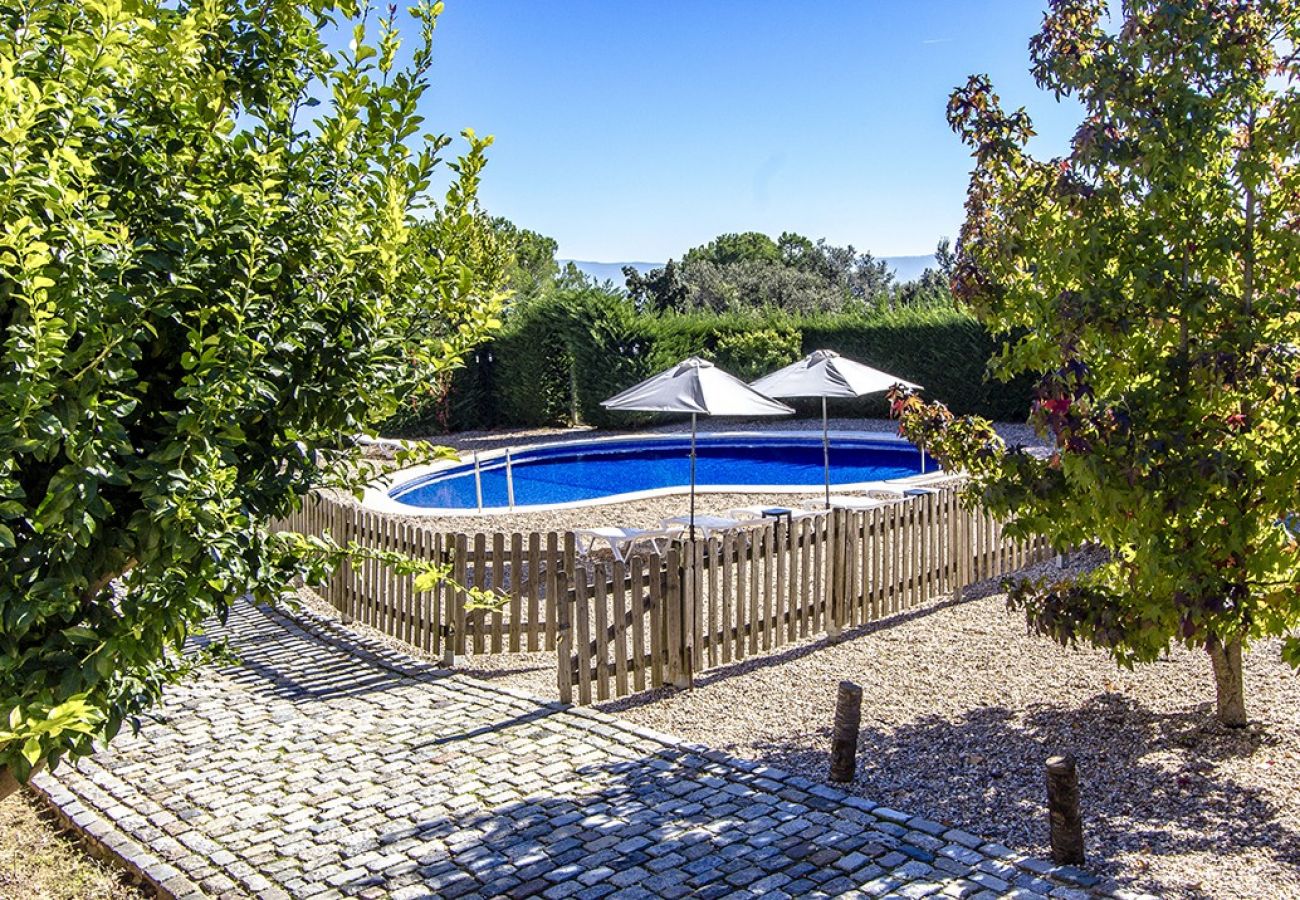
[1063,810]
[844,740]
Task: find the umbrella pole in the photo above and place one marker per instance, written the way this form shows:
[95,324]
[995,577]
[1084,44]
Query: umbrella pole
[692,479]
[826,453]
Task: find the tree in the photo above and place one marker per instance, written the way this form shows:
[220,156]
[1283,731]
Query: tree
[1149,281]
[945,259]
[798,252]
[659,289]
[725,249]
[532,267]
[203,295]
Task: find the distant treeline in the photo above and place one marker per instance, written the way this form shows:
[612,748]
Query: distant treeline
[747,301]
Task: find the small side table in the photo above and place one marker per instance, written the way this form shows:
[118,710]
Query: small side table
[777,512]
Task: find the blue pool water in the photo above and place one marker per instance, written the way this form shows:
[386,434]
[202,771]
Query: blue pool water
[598,469]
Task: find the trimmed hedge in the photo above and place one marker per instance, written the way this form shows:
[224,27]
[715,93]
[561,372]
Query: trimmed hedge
[565,354]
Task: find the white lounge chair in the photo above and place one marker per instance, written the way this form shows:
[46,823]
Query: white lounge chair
[884,488]
[842,501]
[749,513]
[704,524]
[621,540]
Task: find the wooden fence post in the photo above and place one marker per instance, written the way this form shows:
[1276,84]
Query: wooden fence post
[679,651]
[844,740]
[1063,811]
[563,637]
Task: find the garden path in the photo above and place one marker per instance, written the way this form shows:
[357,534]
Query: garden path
[325,766]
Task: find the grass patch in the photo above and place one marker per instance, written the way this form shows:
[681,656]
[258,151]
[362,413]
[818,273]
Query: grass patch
[39,860]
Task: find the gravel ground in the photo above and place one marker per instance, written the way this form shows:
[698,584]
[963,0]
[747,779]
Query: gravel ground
[641,513]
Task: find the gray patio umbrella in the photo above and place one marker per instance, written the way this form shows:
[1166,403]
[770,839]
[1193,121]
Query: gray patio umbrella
[698,387]
[824,373]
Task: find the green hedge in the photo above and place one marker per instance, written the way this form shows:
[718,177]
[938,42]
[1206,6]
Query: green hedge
[567,353]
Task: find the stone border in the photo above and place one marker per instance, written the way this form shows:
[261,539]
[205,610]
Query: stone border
[105,839]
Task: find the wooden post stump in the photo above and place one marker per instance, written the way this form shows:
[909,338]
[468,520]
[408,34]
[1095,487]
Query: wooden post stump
[1063,810]
[844,741]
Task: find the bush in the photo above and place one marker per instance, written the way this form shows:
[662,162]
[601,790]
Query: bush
[752,354]
[567,352]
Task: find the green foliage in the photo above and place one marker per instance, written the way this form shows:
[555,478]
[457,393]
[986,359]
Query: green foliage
[1149,278]
[207,282]
[743,272]
[532,269]
[752,353]
[577,348]
[728,249]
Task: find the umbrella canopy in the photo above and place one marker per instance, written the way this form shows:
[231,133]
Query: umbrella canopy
[696,386]
[824,373]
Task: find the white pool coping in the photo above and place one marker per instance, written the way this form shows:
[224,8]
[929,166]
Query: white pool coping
[377,497]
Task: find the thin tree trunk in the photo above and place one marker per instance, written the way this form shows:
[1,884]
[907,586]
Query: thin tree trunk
[1229,687]
[9,784]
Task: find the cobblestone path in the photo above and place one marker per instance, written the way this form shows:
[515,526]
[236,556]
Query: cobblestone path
[325,766]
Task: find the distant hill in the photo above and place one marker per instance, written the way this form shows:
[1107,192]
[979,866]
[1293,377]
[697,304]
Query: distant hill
[608,271]
[909,268]
[906,268]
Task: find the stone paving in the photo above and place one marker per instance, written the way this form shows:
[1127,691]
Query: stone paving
[324,766]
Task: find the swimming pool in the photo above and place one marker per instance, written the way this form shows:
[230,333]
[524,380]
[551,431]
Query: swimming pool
[603,470]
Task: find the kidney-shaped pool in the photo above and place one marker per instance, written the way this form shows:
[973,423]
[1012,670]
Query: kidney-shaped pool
[609,469]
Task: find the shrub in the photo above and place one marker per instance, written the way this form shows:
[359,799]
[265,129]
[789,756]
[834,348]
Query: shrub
[570,351]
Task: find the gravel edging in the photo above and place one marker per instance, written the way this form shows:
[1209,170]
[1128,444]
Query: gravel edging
[106,841]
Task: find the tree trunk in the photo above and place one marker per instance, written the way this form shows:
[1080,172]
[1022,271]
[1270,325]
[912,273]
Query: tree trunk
[9,784]
[1229,688]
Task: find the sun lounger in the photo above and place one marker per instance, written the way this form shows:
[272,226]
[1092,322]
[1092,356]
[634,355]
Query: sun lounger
[846,502]
[884,488]
[749,513]
[704,524]
[621,540]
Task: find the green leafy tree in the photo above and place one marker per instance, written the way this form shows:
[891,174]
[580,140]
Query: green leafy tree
[749,286]
[532,269]
[1149,281]
[725,249]
[659,289]
[206,287]
[798,252]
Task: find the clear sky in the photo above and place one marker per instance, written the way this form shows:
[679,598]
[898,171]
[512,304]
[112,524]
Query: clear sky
[633,130]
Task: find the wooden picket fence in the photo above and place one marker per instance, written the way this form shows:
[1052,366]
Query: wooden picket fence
[619,628]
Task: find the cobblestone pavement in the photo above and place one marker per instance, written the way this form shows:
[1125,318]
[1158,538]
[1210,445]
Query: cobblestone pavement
[325,766]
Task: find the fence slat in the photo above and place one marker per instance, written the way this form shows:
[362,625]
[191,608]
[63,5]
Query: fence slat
[559,585]
[728,553]
[600,603]
[640,607]
[534,571]
[658,628]
[620,629]
[582,636]
[516,592]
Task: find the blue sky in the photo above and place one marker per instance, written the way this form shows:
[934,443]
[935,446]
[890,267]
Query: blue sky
[635,130]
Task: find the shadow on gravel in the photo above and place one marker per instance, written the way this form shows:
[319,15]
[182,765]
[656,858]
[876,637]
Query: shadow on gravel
[1148,780]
